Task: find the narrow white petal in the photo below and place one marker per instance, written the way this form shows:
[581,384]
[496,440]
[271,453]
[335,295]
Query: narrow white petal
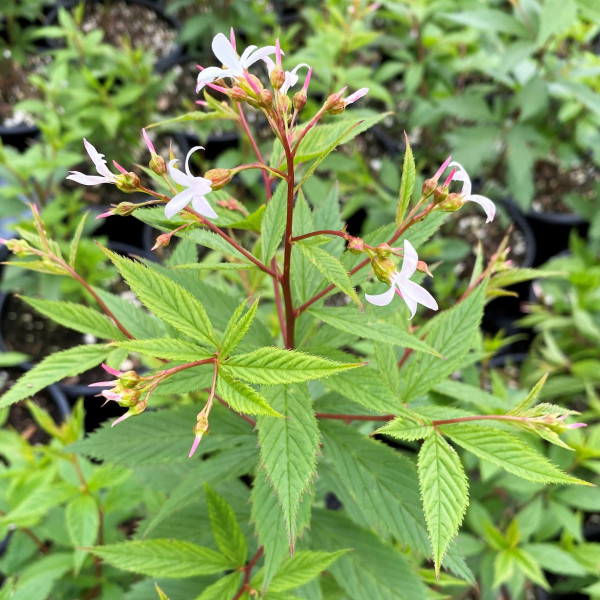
[187,159]
[270,64]
[209,75]
[86,179]
[201,186]
[259,55]
[419,294]
[178,176]
[178,202]
[245,54]
[382,299]
[201,205]
[98,160]
[409,261]
[225,53]
[462,175]
[287,84]
[486,204]
[411,303]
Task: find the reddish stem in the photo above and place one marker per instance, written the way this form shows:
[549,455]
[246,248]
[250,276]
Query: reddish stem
[247,572]
[233,243]
[341,234]
[245,417]
[349,418]
[479,418]
[290,315]
[267,182]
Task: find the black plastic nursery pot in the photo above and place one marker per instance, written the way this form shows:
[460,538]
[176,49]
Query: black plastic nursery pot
[125,15]
[502,312]
[552,231]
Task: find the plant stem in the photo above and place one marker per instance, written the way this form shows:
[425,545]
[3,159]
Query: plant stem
[320,415]
[41,546]
[341,234]
[479,418]
[268,194]
[247,572]
[245,417]
[290,315]
[97,298]
[233,243]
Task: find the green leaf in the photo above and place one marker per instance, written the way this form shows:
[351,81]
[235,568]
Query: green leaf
[380,481]
[166,299]
[225,528]
[226,587]
[163,558]
[162,436]
[237,328]
[531,398]
[330,267]
[272,366]
[505,450]
[270,525]
[169,348]
[303,567]
[53,368]
[451,333]
[242,398]
[77,238]
[556,16]
[326,152]
[288,449]
[403,428]
[445,493]
[370,327]
[273,223]
[366,387]
[407,184]
[83,525]
[374,570]
[321,138]
[76,316]
[140,323]
[195,115]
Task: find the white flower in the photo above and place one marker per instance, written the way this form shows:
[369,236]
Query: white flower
[197,188]
[98,159]
[291,77]
[461,175]
[411,292]
[235,65]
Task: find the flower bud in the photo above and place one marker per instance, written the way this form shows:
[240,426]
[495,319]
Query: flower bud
[19,247]
[429,186]
[334,105]
[237,94]
[158,165]
[299,100]
[162,240]
[124,209]
[423,268]
[452,203]
[129,379]
[355,245]
[440,194]
[218,177]
[267,97]
[129,398]
[128,182]
[277,77]
[383,250]
[253,89]
[384,268]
